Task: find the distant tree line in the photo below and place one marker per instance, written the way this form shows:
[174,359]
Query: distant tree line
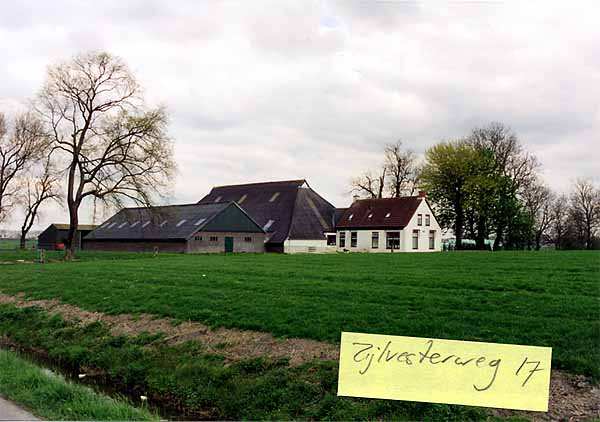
[487,186]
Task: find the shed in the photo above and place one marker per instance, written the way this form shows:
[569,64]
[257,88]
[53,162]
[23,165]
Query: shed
[53,238]
[190,228]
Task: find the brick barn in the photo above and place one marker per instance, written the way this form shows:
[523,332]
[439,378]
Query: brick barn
[193,228]
[294,216]
[53,238]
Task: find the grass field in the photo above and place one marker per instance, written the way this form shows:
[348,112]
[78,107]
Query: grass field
[51,397]
[533,298]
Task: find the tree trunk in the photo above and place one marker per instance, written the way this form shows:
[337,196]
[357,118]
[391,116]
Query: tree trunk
[458,223]
[22,240]
[481,235]
[498,239]
[70,244]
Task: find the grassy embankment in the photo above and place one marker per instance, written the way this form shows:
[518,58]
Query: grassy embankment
[50,396]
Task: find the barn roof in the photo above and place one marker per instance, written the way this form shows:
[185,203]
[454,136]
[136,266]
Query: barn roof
[81,227]
[380,213]
[172,222]
[285,209]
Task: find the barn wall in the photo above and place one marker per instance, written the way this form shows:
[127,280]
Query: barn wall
[47,239]
[201,243]
[307,246]
[142,246]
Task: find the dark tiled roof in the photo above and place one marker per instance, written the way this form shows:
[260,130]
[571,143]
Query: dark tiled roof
[149,223]
[400,211]
[293,207]
[81,227]
[339,212]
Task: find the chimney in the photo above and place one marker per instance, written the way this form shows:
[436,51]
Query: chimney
[355,198]
[422,194]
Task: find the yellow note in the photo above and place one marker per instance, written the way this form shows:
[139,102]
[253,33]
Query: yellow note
[444,371]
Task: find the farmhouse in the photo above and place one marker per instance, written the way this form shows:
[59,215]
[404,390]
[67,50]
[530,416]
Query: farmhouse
[194,228]
[386,225]
[53,238]
[295,217]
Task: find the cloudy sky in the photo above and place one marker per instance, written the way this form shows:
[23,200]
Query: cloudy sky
[261,90]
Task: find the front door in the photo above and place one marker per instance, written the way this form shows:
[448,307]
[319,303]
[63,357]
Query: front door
[228,244]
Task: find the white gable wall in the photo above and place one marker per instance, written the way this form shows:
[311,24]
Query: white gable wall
[364,236]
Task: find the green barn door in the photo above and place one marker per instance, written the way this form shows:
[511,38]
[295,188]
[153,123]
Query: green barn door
[228,244]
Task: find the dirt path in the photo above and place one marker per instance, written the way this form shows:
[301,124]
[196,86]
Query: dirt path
[572,397]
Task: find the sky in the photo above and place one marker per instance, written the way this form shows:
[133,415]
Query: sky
[276,90]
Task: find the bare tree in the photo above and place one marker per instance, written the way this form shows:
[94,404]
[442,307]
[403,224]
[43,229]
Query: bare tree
[370,185]
[559,221]
[539,202]
[585,204]
[115,148]
[401,169]
[19,148]
[35,190]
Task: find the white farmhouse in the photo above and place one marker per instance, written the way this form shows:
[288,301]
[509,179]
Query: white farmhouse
[389,225]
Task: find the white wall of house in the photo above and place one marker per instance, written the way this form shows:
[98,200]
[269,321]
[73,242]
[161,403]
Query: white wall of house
[307,246]
[364,237]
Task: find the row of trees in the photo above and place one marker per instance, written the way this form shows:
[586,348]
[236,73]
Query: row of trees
[487,185]
[88,136]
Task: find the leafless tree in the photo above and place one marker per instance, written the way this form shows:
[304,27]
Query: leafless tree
[539,202]
[114,147]
[370,185]
[401,169]
[559,226]
[19,148]
[38,187]
[585,205]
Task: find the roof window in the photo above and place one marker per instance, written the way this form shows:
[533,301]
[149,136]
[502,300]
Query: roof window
[242,199]
[268,225]
[145,224]
[163,223]
[135,224]
[202,220]
[274,197]
[350,217]
[388,215]
[218,198]
[111,225]
[370,215]
[181,223]
[122,225]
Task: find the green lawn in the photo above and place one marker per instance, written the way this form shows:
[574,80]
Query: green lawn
[533,298]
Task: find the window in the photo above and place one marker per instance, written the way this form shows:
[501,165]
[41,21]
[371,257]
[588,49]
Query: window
[198,238]
[342,239]
[181,223]
[122,225]
[268,225]
[274,197]
[370,215]
[331,239]
[431,239]
[419,219]
[164,223]
[111,225]
[415,239]
[218,198]
[388,215]
[247,239]
[353,239]
[202,220]
[242,199]
[213,238]
[145,224]
[427,220]
[350,217]
[375,240]
[135,224]
[392,240]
